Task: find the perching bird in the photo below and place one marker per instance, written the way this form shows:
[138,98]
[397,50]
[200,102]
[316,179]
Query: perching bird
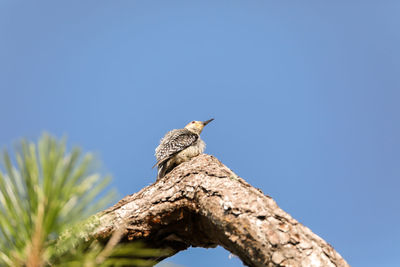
[178,146]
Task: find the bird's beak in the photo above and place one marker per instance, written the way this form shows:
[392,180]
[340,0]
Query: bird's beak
[207,122]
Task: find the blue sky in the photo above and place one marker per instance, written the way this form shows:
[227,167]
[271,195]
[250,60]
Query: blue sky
[305,98]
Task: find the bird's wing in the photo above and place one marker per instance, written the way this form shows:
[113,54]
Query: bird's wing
[174,142]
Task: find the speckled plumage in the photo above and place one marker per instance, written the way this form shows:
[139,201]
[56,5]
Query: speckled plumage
[173,142]
[178,146]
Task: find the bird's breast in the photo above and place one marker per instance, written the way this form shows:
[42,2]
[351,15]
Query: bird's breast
[190,152]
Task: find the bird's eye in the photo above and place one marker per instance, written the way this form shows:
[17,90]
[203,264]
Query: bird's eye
[192,121]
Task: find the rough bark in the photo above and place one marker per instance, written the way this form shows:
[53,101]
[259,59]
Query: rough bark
[202,203]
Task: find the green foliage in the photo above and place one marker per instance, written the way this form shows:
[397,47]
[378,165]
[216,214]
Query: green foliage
[46,193]
[133,254]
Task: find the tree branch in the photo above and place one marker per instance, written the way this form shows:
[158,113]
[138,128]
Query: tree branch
[202,203]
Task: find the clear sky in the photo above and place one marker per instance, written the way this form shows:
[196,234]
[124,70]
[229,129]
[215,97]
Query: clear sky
[305,98]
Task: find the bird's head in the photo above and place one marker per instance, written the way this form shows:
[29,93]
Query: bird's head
[197,126]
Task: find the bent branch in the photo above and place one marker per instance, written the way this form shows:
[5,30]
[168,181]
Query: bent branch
[202,203]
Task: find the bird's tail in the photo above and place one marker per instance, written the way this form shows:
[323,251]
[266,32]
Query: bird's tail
[164,168]
[161,171]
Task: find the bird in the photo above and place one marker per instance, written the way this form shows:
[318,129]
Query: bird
[178,146]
